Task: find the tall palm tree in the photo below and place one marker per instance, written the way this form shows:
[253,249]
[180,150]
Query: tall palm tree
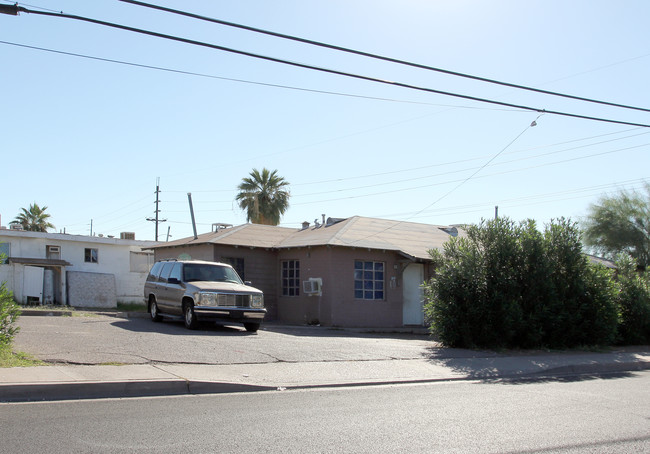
[34,219]
[264,195]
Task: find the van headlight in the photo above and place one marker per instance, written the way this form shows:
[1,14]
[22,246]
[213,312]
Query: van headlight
[257,301]
[207,299]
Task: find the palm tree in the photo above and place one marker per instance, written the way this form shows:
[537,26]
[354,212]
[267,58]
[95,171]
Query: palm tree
[265,197]
[34,219]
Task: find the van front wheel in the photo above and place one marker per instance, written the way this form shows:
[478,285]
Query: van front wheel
[189,316]
[252,327]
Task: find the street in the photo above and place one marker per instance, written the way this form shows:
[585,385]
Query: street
[580,415]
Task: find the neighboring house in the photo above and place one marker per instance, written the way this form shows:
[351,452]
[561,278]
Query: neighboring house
[345,272]
[84,271]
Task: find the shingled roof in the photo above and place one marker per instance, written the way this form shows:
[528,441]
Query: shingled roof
[409,238]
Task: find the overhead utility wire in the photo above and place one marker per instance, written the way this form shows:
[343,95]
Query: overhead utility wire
[230,79]
[380,57]
[14,9]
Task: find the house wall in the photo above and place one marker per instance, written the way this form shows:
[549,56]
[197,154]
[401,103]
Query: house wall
[337,305]
[305,309]
[348,311]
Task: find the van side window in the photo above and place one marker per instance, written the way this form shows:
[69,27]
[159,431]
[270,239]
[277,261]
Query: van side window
[176,271]
[155,271]
[167,268]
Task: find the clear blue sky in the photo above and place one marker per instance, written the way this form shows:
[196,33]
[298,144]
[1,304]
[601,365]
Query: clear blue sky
[88,138]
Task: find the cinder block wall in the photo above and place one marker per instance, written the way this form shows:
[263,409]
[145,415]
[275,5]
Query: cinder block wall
[91,289]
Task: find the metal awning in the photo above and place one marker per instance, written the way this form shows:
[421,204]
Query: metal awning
[38,261]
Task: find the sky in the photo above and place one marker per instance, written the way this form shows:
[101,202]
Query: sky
[94,117]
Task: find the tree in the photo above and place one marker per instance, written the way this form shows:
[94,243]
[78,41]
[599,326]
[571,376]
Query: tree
[34,219]
[265,197]
[621,224]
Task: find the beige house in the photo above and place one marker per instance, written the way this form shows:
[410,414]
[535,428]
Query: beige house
[355,272]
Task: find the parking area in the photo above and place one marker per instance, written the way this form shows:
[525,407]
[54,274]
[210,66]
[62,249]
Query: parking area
[100,339]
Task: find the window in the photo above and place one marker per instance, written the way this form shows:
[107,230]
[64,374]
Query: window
[53,252]
[154,274]
[166,270]
[290,278]
[237,263]
[368,280]
[5,252]
[176,272]
[90,255]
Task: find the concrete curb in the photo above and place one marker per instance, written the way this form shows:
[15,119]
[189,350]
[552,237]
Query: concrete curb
[234,382]
[34,392]
[70,313]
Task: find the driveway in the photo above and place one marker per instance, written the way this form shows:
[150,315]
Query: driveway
[101,339]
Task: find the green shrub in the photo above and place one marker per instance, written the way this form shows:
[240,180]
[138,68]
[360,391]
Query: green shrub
[508,285]
[634,300]
[9,312]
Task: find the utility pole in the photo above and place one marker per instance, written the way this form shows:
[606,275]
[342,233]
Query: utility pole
[156,219]
[189,198]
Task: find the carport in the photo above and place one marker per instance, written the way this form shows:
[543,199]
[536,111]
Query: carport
[41,280]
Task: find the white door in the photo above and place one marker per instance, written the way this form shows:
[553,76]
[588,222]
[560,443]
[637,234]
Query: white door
[33,282]
[413,309]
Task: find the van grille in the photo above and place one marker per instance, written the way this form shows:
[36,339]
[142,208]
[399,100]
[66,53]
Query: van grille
[233,300]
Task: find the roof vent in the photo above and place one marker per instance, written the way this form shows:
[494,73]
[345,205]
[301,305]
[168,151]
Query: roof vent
[453,231]
[305,225]
[220,226]
[332,221]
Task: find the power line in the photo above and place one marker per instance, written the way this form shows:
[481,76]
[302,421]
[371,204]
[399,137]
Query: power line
[17,9]
[380,57]
[462,181]
[190,73]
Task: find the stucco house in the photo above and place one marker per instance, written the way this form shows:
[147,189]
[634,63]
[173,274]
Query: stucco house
[343,272]
[78,270]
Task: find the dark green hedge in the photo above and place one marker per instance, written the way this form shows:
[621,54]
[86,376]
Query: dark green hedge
[508,285]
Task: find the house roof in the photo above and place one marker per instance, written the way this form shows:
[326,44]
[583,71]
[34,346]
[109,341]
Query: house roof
[409,238]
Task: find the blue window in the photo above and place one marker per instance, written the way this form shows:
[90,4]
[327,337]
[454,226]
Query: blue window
[368,280]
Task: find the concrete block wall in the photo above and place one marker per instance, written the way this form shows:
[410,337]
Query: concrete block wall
[91,289]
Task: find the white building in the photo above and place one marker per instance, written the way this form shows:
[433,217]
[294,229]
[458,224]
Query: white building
[78,270]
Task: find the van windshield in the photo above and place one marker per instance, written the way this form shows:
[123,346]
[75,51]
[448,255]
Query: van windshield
[212,273]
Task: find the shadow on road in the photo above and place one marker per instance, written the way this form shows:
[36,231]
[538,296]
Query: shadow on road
[173,327]
[142,325]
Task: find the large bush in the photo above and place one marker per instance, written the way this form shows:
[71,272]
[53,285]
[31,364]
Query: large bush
[9,312]
[510,285]
[634,300]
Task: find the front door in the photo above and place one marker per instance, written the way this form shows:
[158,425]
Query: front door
[413,307]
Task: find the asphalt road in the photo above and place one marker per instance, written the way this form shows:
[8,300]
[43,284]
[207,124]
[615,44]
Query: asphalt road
[574,415]
[105,339]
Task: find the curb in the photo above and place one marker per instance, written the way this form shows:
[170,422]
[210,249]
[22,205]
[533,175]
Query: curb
[34,392]
[70,313]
